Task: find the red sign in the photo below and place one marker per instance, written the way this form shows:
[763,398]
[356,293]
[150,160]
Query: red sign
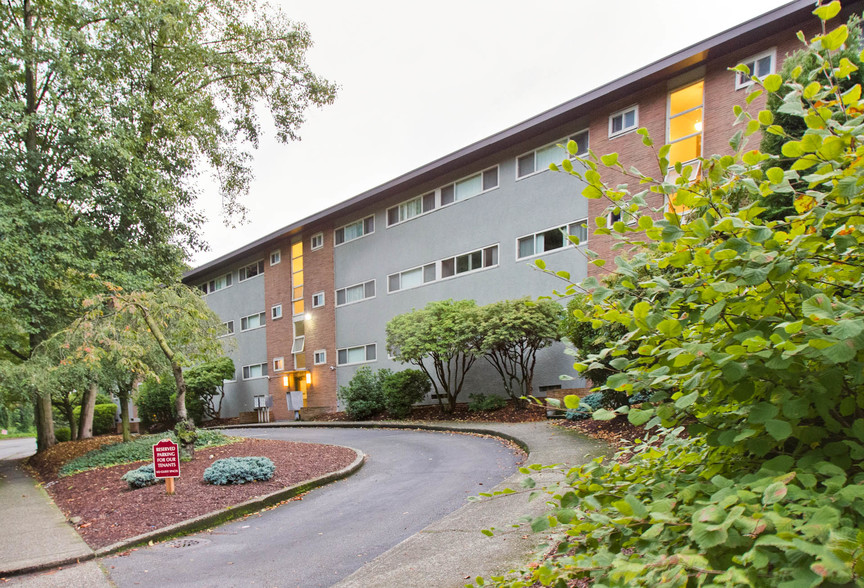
[166,459]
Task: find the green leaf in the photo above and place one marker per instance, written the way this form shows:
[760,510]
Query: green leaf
[778,429]
[687,400]
[638,417]
[603,415]
[572,401]
[772,82]
[766,117]
[828,11]
[774,492]
[610,159]
[835,39]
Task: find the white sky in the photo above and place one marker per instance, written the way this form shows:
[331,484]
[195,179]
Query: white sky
[419,80]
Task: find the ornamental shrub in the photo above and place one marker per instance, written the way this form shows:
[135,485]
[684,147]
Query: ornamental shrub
[141,477]
[480,402]
[401,390]
[103,418]
[363,397]
[155,404]
[62,434]
[239,470]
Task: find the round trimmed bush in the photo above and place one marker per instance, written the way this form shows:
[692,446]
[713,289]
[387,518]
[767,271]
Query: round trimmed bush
[141,477]
[239,470]
[62,434]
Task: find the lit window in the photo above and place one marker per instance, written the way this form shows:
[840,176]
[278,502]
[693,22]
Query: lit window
[359,354]
[623,121]
[320,357]
[253,321]
[355,293]
[318,299]
[275,257]
[540,159]
[317,241]
[355,230]
[276,312]
[684,125]
[216,284]
[759,65]
[258,370]
[252,270]
[278,364]
[297,278]
[550,239]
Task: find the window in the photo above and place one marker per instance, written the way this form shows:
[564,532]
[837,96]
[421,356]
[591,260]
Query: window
[412,278]
[360,354]
[297,278]
[216,284]
[355,230]
[759,65]
[252,270]
[470,186]
[276,312]
[228,327]
[355,293]
[317,241]
[469,262]
[258,370]
[539,159]
[318,299]
[275,257]
[299,343]
[550,239]
[320,357]
[684,123]
[278,364]
[253,321]
[410,209]
[623,121]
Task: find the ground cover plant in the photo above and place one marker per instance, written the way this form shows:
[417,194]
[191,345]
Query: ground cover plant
[239,470]
[749,332]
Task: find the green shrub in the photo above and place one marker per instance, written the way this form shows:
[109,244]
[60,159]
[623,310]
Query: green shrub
[401,390]
[363,397]
[155,404]
[62,434]
[478,402]
[141,477]
[138,449]
[239,470]
[103,418]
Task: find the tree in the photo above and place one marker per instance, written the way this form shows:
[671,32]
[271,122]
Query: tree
[749,333]
[446,335]
[513,331]
[204,382]
[109,109]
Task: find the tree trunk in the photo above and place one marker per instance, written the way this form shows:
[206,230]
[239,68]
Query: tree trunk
[69,411]
[124,414]
[44,423]
[88,405]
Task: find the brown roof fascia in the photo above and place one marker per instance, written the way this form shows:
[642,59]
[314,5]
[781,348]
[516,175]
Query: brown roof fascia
[783,18]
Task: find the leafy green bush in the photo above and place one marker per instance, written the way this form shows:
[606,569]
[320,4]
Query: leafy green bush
[154,400]
[401,390]
[141,477]
[239,470]
[139,449]
[485,402]
[363,397]
[103,418]
[62,434]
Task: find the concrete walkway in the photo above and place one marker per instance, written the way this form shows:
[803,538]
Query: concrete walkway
[34,534]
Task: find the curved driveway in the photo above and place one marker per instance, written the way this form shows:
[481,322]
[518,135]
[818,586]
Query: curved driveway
[410,480]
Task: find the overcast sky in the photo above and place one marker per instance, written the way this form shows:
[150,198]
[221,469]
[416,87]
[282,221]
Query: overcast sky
[419,80]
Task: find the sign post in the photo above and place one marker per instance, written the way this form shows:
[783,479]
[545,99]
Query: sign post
[166,463]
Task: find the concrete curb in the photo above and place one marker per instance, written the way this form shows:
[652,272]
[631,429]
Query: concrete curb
[200,522]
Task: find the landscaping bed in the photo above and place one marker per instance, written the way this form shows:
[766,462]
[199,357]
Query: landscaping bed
[104,510]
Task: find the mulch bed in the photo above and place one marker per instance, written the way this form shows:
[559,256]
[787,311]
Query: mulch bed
[512,413]
[106,511]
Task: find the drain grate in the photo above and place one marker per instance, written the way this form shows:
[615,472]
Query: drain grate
[178,543]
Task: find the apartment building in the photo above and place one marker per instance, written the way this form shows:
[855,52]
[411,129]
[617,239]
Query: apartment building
[308,304]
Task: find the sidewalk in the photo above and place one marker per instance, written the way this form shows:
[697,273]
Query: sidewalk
[33,532]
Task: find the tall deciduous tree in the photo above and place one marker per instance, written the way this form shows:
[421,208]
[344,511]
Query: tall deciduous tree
[109,110]
[513,332]
[443,340]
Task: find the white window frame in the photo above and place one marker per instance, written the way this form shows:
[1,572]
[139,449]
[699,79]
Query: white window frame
[263,317]
[361,284]
[276,312]
[423,280]
[565,229]
[319,357]
[277,255]
[205,287]
[247,369]
[316,238]
[316,297]
[563,142]
[481,174]
[277,361]
[621,113]
[260,268]
[739,84]
[229,329]
[362,222]
[299,344]
[366,354]
[422,199]
[439,268]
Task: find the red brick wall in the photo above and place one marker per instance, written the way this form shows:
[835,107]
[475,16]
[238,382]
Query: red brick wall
[280,332]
